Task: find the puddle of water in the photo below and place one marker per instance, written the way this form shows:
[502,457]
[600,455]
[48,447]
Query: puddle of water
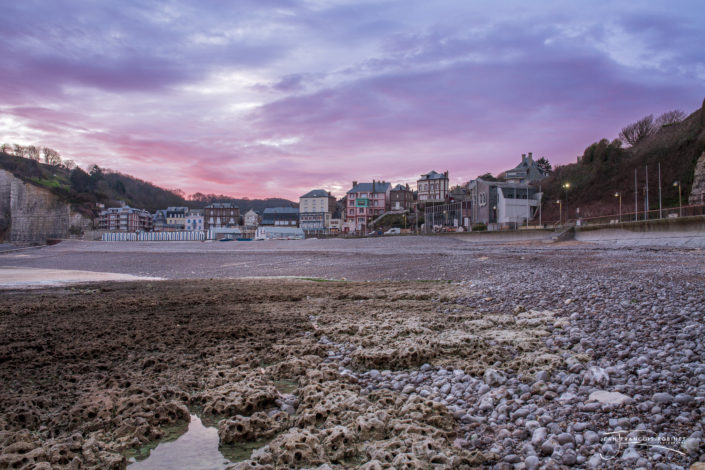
[195,448]
[286,385]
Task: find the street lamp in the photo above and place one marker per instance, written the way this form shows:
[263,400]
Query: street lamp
[619,195]
[566,186]
[680,200]
[560,212]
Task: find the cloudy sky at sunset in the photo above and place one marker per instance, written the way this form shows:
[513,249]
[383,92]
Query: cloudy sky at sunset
[273,97]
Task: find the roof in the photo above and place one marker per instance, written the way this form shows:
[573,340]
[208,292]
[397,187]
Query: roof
[177,209]
[527,169]
[433,175]
[379,187]
[222,205]
[281,210]
[317,193]
[400,187]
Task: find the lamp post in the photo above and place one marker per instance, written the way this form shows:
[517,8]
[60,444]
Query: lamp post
[560,212]
[566,186]
[680,200]
[619,195]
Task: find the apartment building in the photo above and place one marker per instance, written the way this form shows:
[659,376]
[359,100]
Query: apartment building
[365,201]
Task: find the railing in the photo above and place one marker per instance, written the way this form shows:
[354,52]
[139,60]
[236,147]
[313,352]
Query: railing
[624,217]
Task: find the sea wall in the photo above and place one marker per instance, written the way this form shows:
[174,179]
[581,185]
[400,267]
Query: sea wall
[684,232]
[30,214]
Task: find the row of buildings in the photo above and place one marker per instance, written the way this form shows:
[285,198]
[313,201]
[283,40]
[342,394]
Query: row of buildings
[480,201]
[176,219]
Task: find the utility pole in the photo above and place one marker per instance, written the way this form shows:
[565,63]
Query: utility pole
[540,201]
[660,207]
[636,201]
[527,205]
[646,193]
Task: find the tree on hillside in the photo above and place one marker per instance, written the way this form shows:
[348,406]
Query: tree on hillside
[80,181]
[32,152]
[51,156]
[6,148]
[19,150]
[603,152]
[638,131]
[96,173]
[544,165]
[487,177]
[69,164]
[670,117]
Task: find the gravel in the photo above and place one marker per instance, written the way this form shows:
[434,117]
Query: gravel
[629,326]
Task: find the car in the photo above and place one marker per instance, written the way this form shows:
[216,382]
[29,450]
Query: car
[393,231]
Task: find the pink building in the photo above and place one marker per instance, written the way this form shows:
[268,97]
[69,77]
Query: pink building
[365,202]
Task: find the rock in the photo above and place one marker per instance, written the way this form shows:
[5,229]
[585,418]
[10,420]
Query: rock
[630,454]
[532,462]
[591,437]
[569,457]
[565,438]
[697,192]
[663,398]
[684,399]
[538,436]
[691,445]
[493,377]
[595,461]
[547,447]
[596,376]
[609,398]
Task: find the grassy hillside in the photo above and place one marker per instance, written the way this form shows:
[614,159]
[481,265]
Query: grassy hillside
[83,190]
[606,167]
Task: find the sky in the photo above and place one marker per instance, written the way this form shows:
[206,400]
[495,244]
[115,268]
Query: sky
[273,98]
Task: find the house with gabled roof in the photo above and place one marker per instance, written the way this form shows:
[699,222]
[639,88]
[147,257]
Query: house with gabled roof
[365,201]
[527,171]
[432,187]
[401,198]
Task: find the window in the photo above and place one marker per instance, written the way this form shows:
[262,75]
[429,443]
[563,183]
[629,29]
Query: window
[361,210]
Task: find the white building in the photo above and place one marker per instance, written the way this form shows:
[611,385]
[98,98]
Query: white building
[316,209]
[251,218]
[279,233]
[193,222]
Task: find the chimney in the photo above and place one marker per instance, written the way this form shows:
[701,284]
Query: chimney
[354,183]
[373,186]
[531,155]
[523,157]
[445,173]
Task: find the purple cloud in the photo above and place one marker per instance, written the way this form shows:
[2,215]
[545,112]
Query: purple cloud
[272,98]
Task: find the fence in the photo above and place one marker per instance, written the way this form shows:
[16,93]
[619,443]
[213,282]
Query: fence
[655,214]
[153,236]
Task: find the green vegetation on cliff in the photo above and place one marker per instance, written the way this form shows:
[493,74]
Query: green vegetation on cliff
[606,168]
[83,190]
